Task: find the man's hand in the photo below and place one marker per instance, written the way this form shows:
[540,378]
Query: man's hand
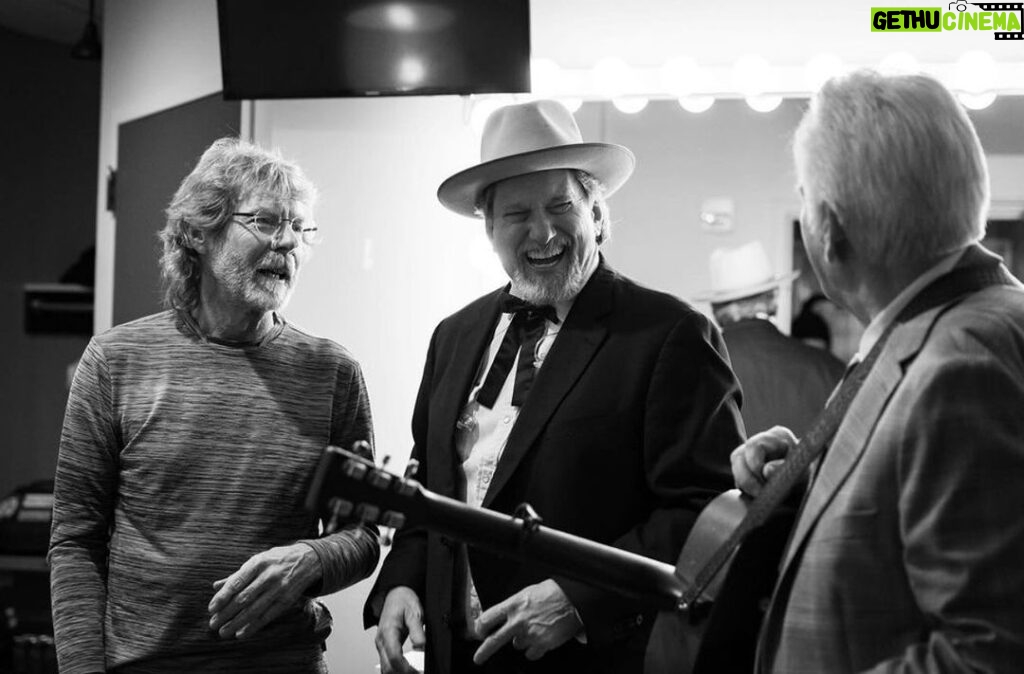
[536,619]
[262,589]
[755,460]
[401,616]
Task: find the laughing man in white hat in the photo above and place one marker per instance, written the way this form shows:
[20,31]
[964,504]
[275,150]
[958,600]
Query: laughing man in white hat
[608,407]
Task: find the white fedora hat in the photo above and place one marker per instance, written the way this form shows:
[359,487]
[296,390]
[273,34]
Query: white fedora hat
[531,137]
[741,272]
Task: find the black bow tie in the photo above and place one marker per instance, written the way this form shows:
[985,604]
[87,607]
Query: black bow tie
[522,336]
[510,304]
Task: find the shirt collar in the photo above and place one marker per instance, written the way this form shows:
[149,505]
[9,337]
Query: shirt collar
[887,315]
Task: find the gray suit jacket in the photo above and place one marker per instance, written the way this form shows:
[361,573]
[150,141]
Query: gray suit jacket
[908,555]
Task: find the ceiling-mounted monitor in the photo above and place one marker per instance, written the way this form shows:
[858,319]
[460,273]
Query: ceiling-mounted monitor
[343,48]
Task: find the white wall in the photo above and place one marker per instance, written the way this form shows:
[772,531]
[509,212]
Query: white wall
[392,262]
[156,55]
[683,159]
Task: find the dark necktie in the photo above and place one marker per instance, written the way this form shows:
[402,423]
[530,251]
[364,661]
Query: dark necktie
[525,330]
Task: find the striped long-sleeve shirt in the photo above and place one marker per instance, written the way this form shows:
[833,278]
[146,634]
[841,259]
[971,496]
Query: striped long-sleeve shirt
[179,459]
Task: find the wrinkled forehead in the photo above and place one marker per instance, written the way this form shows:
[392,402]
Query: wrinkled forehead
[288,203]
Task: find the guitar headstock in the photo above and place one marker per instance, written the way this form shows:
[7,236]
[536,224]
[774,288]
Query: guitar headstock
[349,487]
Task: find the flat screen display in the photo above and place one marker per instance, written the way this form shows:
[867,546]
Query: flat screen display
[339,48]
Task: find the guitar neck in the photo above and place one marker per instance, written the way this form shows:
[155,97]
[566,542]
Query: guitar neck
[652,582]
[349,486]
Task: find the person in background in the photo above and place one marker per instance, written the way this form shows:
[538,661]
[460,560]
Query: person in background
[906,556]
[180,542]
[784,381]
[607,406]
[810,326]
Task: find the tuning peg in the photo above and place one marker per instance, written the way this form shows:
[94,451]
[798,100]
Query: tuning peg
[393,519]
[367,513]
[411,468]
[340,509]
[355,469]
[361,448]
[379,479]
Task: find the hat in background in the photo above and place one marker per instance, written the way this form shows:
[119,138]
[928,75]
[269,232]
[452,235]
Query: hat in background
[742,272]
[531,137]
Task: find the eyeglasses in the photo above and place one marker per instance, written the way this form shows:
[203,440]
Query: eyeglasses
[270,226]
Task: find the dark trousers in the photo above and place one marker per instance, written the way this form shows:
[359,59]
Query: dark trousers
[505,661]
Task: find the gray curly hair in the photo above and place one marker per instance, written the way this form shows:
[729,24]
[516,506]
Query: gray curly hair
[230,171]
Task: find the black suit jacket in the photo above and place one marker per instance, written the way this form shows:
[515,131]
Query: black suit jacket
[785,381]
[625,435]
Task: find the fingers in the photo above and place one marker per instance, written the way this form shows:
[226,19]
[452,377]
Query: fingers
[492,618]
[535,620]
[534,652]
[772,467]
[401,615]
[493,643]
[266,585]
[228,587]
[234,593]
[759,457]
[389,649]
[414,621]
[253,615]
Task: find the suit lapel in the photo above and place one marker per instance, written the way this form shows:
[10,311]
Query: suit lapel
[854,433]
[851,438]
[575,346]
[470,337]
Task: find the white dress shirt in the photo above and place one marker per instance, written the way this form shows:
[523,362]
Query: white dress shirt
[481,434]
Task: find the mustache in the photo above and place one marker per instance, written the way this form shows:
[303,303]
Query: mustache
[550,248]
[278,261]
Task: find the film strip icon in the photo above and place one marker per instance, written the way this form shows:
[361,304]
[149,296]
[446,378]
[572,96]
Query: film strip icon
[1003,7]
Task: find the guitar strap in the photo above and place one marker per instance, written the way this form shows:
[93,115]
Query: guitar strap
[976,270]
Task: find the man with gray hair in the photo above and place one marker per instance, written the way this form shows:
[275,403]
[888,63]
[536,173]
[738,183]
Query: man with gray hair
[907,554]
[180,540]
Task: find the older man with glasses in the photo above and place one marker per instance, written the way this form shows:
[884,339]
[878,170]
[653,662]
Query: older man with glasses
[180,541]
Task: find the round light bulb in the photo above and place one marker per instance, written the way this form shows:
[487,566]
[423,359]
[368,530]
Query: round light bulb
[696,104]
[764,102]
[977,101]
[975,72]
[630,104]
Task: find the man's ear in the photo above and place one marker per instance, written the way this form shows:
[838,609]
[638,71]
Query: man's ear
[835,241]
[489,228]
[598,213]
[197,238]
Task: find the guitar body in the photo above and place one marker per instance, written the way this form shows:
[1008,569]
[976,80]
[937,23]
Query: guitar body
[721,635]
